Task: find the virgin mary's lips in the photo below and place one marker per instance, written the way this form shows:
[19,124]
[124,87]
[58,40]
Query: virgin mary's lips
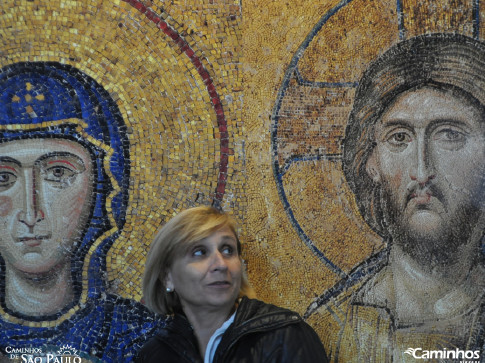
[32,241]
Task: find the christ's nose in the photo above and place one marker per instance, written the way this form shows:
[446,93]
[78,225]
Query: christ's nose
[422,170]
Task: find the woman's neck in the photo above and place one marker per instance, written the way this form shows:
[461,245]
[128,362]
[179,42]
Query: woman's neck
[205,322]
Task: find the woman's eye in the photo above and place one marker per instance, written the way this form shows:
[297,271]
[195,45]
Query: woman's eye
[7,179]
[198,252]
[59,175]
[228,250]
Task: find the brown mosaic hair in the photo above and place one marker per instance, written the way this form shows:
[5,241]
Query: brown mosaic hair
[173,238]
[449,62]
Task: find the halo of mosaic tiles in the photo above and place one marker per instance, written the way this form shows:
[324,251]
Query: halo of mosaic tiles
[172,70]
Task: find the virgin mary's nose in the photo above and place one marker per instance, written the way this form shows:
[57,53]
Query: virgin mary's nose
[31,212]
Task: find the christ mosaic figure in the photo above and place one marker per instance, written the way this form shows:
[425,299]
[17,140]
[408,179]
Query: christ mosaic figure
[414,156]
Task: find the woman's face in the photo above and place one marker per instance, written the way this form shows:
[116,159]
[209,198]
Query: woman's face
[208,276]
[45,198]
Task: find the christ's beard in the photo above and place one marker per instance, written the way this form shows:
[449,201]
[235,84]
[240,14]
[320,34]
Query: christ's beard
[430,247]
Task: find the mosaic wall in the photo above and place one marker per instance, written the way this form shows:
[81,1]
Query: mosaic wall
[311,228]
[118,114]
[115,116]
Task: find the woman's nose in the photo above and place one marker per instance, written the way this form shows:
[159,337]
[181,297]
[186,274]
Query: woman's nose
[32,212]
[219,263]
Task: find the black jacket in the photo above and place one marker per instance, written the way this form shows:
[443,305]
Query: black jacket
[260,333]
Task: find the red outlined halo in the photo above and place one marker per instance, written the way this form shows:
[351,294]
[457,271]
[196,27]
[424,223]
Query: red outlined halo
[211,89]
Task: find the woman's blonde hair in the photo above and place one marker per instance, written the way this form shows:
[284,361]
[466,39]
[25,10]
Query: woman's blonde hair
[173,238]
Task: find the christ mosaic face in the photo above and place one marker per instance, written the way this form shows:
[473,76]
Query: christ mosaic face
[430,159]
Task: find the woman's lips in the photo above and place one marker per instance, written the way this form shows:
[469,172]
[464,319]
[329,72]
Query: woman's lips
[220,284]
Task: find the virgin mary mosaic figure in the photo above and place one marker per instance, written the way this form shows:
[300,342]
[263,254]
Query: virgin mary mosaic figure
[64,180]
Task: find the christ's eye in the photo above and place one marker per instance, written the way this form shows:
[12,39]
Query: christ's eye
[450,138]
[453,135]
[399,137]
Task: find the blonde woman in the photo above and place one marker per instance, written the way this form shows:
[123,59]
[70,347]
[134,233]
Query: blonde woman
[194,273]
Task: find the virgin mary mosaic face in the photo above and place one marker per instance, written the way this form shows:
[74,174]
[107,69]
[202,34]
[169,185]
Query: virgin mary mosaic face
[45,200]
[45,197]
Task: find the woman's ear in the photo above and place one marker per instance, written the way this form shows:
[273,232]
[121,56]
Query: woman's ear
[168,281]
[372,168]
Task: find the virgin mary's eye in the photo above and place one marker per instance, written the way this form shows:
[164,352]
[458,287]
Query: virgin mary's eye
[7,179]
[58,172]
[61,169]
[60,175]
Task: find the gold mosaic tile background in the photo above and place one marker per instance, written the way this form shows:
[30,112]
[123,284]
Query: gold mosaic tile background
[174,151]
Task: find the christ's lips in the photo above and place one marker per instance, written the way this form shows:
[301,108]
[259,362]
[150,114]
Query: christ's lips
[422,197]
